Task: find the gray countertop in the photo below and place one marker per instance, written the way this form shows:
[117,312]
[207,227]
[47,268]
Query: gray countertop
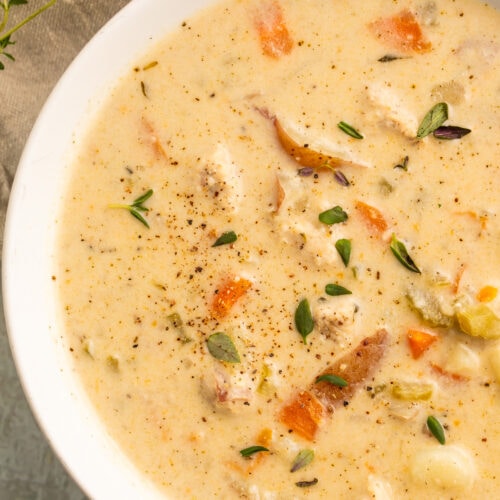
[43,49]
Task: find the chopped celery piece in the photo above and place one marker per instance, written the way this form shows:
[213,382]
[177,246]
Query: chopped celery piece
[265,386]
[412,391]
[429,307]
[479,321]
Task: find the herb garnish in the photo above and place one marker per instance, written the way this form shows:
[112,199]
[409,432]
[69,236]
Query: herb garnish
[332,379]
[349,130]
[389,58]
[303,319]
[5,40]
[306,484]
[400,252]
[247,452]
[449,132]
[404,163]
[436,429]
[303,458]
[333,216]
[343,247]
[434,118]
[341,178]
[334,289]
[136,207]
[225,238]
[221,347]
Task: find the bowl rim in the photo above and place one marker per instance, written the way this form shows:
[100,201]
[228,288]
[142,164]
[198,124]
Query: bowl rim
[57,399]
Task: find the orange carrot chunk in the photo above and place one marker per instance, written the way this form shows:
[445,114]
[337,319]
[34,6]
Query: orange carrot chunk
[275,39]
[373,218]
[303,415]
[227,294]
[419,341]
[487,293]
[400,32]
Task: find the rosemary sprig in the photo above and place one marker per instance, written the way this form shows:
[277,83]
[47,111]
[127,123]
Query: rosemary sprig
[136,207]
[5,38]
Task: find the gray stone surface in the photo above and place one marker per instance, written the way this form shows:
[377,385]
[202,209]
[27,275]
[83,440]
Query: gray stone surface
[29,470]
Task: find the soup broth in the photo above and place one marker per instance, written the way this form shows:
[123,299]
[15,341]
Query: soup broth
[279,253]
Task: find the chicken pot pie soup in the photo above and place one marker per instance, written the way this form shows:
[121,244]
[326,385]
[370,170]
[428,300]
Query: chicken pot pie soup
[280,257]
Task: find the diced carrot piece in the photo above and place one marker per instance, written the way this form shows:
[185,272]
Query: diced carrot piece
[227,294]
[303,415]
[265,436]
[151,137]
[373,218]
[453,376]
[487,293]
[458,278]
[401,32]
[419,341]
[275,39]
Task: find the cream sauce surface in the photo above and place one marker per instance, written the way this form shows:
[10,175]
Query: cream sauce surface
[196,121]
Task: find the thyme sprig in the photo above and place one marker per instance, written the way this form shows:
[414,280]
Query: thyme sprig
[136,207]
[5,36]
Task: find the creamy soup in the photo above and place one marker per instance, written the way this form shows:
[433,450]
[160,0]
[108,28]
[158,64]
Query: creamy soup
[279,253]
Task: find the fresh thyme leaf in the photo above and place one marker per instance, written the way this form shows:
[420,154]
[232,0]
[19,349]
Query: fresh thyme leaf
[343,247]
[399,250]
[404,163]
[139,201]
[303,458]
[434,118]
[136,207]
[334,289]
[389,58]
[333,216]
[306,484]
[247,452]
[221,347]
[349,130]
[5,40]
[332,379]
[436,429]
[450,132]
[135,213]
[225,238]
[303,319]
[341,178]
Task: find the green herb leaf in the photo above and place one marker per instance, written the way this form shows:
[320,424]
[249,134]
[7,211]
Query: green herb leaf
[306,484]
[404,164]
[221,347]
[332,379]
[349,130]
[136,207]
[247,452]
[436,429]
[303,319]
[225,238]
[334,289]
[5,36]
[437,115]
[303,458]
[333,216]
[343,247]
[400,252]
[389,58]
[144,197]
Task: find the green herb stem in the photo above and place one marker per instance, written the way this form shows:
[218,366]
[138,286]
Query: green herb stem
[24,21]
[247,452]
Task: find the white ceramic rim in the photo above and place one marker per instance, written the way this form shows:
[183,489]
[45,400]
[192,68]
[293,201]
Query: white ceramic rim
[54,393]
[31,310]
